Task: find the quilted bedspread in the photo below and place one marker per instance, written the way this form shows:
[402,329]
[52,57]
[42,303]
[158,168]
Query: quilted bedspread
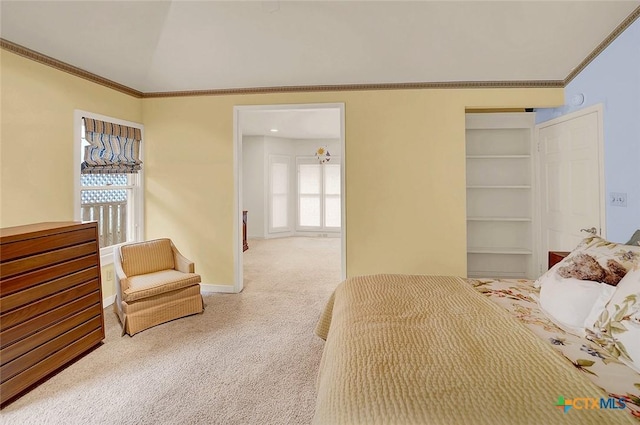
[432,350]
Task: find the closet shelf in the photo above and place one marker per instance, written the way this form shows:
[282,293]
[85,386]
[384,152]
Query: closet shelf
[500,192]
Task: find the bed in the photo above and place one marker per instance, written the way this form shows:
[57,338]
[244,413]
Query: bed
[405,349]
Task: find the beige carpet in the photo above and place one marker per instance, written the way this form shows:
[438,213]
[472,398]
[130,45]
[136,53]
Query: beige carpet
[251,358]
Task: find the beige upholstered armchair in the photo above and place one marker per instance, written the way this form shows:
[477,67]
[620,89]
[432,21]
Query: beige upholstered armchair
[154,284]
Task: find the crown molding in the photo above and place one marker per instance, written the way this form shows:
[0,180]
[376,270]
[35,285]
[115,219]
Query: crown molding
[605,43]
[78,72]
[65,67]
[363,87]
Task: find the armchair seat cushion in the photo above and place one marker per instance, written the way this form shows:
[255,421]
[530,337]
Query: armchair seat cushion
[160,282]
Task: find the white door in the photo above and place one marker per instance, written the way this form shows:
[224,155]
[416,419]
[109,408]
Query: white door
[571,180]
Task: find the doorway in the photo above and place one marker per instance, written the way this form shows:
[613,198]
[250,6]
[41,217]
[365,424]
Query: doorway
[277,124]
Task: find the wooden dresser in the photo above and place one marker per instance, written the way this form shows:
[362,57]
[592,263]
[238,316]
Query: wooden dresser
[50,300]
[245,245]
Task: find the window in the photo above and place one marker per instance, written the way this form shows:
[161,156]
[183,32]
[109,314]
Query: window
[110,193]
[332,211]
[109,199]
[279,193]
[319,195]
[309,195]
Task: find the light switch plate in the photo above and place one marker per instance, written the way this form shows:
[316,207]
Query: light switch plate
[618,199]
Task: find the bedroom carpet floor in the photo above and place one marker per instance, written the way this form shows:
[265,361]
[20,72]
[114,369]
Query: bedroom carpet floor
[250,358]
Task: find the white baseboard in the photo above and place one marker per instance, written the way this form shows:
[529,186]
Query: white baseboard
[226,289]
[108,301]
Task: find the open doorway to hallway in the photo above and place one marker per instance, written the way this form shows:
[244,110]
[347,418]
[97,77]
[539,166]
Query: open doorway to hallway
[290,183]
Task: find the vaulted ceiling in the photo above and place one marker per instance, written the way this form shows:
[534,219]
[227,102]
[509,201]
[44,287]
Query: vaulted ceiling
[169,46]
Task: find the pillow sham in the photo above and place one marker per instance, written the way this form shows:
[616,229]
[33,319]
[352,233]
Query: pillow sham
[570,303]
[575,291]
[596,260]
[618,327]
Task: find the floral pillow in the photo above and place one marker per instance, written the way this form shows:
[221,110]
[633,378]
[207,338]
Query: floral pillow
[618,327]
[596,260]
[576,290]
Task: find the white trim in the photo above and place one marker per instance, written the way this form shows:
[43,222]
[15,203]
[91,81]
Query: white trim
[238,274]
[343,194]
[106,302]
[225,289]
[106,254]
[603,194]
[535,195]
[237,180]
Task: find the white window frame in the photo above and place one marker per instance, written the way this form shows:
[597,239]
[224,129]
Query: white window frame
[135,232]
[279,159]
[322,228]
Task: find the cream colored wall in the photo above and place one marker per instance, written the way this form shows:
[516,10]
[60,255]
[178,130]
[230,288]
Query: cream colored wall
[405,166]
[405,174]
[36,138]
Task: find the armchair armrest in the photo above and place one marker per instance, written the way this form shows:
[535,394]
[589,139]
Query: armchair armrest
[121,281]
[183,264]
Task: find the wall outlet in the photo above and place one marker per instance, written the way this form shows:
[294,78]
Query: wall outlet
[618,199]
[109,275]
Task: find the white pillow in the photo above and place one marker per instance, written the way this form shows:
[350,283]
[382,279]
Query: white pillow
[572,303]
[618,327]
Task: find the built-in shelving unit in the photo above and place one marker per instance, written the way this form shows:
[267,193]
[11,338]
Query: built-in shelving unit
[500,193]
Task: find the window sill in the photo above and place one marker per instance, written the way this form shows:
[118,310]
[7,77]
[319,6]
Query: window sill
[106,256]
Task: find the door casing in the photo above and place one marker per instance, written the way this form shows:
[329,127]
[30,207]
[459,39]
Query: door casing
[237,181]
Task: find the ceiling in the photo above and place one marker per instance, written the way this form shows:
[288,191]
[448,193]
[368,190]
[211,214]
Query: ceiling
[166,46]
[156,47]
[312,123]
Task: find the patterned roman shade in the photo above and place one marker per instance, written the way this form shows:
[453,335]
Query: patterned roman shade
[113,148]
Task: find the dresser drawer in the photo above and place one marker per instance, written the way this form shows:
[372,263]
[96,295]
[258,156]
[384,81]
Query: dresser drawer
[23,346]
[56,276]
[15,333]
[31,357]
[38,245]
[13,386]
[43,305]
[38,261]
